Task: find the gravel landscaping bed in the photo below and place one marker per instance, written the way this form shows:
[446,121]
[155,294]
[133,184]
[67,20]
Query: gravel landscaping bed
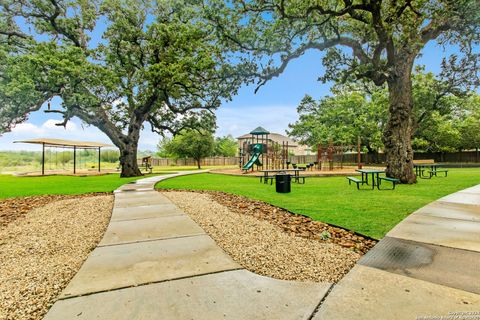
[43,250]
[13,208]
[291,223]
[260,244]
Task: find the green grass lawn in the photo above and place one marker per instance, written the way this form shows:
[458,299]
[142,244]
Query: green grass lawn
[11,186]
[332,200]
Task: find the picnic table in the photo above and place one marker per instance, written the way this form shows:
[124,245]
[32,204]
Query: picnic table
[266,177]
[433,168]
[373,172]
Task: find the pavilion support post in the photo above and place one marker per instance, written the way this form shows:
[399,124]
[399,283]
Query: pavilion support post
[74,159]
[99,157]
[43,159]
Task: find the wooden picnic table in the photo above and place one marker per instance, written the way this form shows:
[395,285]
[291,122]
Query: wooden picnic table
[374,172]
[266,172]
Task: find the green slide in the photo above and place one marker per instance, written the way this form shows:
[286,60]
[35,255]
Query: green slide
[253,160]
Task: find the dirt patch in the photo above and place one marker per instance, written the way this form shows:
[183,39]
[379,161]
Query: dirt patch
[13,208]
[259,244]
[43,250]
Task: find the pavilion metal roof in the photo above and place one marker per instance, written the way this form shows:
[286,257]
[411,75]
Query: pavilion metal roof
[65,143]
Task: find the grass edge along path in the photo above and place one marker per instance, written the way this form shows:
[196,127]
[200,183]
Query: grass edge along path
[330,199]
[12,186]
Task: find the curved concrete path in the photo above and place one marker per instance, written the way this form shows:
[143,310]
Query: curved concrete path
[427,267]
[154,262]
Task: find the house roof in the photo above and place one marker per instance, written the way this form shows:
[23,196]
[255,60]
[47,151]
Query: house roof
[277,137]
[259,131]
[65,143]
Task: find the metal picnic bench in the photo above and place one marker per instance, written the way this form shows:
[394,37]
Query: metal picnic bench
[428,165]
[376,179]
[296,177]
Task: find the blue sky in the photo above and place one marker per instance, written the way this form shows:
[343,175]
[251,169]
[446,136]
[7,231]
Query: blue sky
[273,107]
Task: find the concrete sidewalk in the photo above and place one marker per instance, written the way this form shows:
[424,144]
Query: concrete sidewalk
[154,262]
[427,266]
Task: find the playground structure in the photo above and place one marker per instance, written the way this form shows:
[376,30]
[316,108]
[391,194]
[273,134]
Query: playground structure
[260,152]
[326,156]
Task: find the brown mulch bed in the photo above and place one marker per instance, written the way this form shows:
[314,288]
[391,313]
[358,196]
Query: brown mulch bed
[12,209]
[292,223]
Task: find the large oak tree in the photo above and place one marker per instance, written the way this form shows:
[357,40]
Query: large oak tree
[115,64]
[373,40]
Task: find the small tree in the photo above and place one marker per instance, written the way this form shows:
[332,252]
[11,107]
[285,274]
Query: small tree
[469,124]
[225,146]
[342,118]
[192,144]
[162,147]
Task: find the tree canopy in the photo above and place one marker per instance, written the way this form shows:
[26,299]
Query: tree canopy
[191,144]
[365,40]
[342,118]
[446,119]
[115,64]
[225,146]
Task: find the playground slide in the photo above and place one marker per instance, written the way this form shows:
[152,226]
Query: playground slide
[253,160]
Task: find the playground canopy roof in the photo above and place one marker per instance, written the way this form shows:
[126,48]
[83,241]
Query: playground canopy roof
[259,131]
[65,143]
[276,137]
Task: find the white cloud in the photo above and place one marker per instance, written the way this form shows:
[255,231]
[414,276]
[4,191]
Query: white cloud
[26,128]
[51,124]
[234,120]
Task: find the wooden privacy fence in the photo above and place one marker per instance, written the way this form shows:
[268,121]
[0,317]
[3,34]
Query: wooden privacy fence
[347,158]
[451,157]
[458,157]
[213,161]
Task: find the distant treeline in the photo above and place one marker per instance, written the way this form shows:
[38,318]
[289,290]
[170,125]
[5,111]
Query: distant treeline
[52,155]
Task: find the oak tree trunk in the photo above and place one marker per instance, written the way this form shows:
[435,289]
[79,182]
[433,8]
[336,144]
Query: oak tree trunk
[198,163]
[128,160]
[397,137]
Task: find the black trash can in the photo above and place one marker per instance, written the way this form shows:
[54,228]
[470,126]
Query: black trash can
[283,183]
